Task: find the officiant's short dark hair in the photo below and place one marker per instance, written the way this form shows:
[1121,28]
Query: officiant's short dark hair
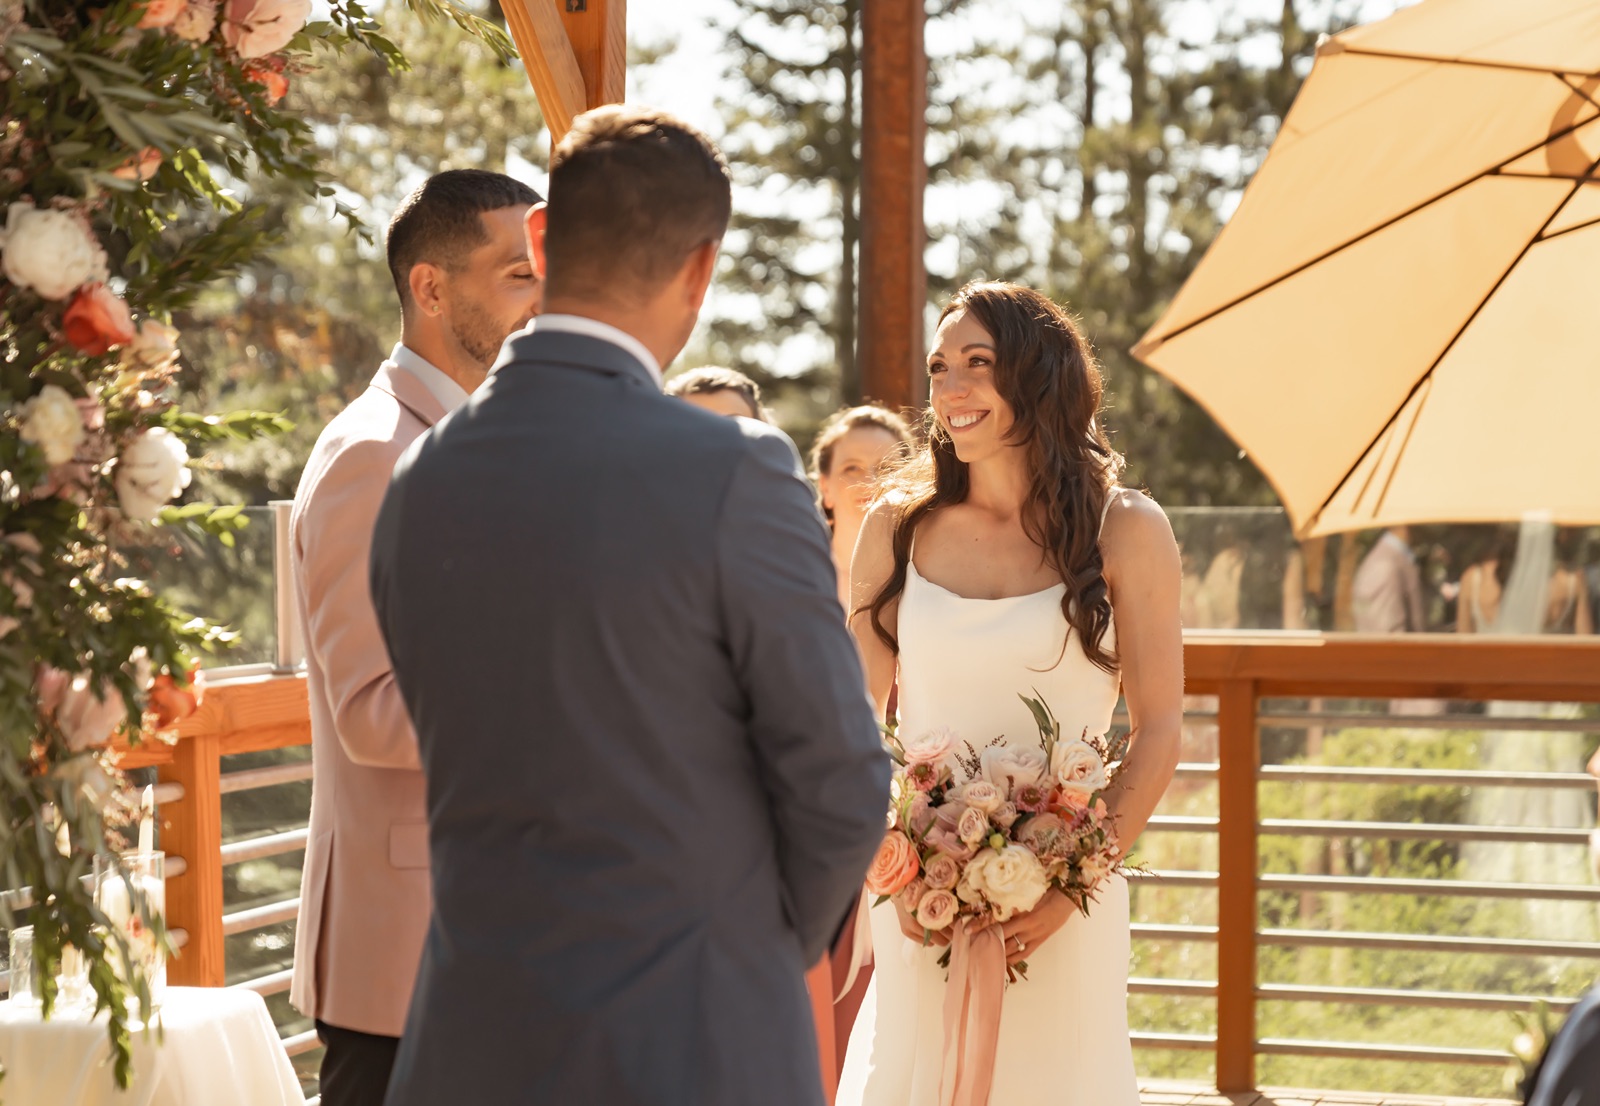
[633,191]
[438,222]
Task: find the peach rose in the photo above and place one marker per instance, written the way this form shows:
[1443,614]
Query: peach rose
[256,28]
[270,77]
[97,321]
[937,910]
[170,703]
[161,13]
[894,867]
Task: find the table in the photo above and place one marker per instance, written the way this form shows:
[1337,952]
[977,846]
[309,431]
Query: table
[220,1046]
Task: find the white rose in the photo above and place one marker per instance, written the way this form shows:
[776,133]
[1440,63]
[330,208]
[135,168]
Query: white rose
[256,28]
[152,471]
[49,251]
[1009,769]
[983,795]
[973,826]
[1078,768]
[1011,880]
[197,20]
[50,420]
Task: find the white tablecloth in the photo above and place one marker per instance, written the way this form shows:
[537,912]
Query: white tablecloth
[220,1049]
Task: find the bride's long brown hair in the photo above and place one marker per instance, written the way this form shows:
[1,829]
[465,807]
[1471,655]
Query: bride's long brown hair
[1046,372]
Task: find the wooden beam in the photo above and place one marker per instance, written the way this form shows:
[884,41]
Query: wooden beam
[893,283]
[537,28]
[598,32]
[1238,763]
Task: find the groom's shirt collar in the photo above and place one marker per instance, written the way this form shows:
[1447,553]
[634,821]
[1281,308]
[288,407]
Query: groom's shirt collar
[449,394]
[594,328]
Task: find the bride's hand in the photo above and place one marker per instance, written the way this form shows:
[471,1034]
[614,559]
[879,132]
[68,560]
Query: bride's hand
[1026,932]
[913,928]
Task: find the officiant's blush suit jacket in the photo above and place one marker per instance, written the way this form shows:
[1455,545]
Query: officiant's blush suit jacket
[364,893]
[654,778]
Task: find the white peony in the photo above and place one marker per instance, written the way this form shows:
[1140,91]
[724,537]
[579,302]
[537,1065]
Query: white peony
[1009,769]
[1011,880]
[1079,769]
[49,251]
[152,471]
[50,420]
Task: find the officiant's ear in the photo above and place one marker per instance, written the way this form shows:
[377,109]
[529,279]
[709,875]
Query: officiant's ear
[535,224]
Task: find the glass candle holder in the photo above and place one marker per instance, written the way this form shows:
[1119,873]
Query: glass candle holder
[21,964]
[131,893]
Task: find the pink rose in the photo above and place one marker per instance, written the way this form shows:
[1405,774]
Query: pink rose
[919,816]
[911,895]
[937,910]
[97,320]
[86,716]
[255,28]
[973,826]
[931,747]
[947,842]
[894,867]
[161,13]
[1006,816]
[942,873]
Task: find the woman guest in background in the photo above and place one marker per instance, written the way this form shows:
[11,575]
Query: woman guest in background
[850,449]
[720,391]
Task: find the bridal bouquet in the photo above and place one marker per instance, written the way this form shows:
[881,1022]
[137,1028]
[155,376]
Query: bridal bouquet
[982,835]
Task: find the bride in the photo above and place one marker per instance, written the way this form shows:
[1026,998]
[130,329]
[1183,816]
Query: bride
[1006,561]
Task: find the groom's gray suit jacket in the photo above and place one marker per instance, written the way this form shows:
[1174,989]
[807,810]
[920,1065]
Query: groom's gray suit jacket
[654,780]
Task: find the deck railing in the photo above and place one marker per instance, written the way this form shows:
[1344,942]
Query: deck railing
[1244,674]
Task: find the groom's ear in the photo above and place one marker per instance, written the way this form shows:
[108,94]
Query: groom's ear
[698,270]
[534,226]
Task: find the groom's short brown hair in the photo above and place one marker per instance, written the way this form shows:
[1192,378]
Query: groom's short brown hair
[632,192]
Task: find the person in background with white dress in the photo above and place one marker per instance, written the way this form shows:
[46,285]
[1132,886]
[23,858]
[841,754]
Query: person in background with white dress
[460,263]
[1005,559]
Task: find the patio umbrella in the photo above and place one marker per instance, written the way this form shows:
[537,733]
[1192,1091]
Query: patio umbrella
[1401,322]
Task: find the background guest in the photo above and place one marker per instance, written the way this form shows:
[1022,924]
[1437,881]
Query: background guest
[459,258]
[850,449]
[1387,591]
[720,391]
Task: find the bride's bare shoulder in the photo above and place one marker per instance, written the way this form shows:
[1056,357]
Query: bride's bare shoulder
[1137,534]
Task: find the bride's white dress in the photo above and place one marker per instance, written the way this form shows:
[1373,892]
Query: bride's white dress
[1063,1030]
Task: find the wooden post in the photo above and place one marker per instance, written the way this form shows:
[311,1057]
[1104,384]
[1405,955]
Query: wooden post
[598,31]
[893,283]
[1238,760]
[536,27]
[192,828]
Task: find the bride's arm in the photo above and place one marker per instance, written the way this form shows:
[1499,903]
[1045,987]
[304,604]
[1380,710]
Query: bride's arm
[1143,573]
[870,569]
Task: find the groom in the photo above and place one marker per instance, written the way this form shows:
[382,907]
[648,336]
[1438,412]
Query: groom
[654,779]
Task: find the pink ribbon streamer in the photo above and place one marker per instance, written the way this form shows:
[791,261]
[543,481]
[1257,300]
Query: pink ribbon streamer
[972,1002]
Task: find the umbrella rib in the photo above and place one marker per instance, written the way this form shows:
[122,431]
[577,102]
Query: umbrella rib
[1568,230]
[1492,170]
[1434,59]
[1427,377]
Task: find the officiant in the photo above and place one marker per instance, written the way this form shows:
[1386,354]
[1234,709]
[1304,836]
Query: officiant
[458,254]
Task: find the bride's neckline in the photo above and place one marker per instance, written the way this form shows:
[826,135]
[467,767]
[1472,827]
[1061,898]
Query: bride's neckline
[911,567]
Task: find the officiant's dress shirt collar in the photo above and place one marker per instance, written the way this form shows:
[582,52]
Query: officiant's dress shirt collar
[449,394]
[594,328]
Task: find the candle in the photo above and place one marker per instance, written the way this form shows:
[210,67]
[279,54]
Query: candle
[147,823]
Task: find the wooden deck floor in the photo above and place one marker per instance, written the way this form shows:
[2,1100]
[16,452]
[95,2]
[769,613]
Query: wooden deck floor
[1155,1093]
